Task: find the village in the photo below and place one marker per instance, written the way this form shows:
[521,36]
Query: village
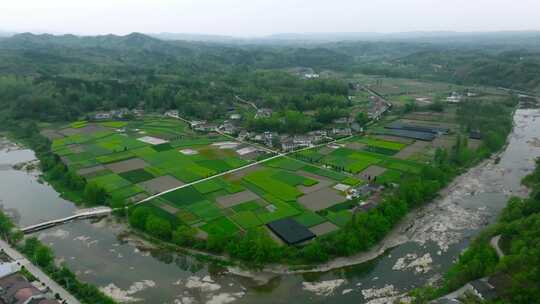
[227,178]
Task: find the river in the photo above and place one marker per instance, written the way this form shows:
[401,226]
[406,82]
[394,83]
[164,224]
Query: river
[424,246]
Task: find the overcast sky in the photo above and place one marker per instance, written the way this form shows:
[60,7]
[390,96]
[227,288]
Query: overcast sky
[263,17]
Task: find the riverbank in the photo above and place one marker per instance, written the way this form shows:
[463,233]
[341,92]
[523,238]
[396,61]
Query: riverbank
[63,294]
[402,233]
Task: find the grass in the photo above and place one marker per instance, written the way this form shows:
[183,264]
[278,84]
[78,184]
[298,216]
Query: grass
[113,124]
[78,124]
[110,182]
[350,160]
[263,179]
[137,176]
[402,165]
[340,218]
[216,165]
[310,155]
[221,226]
[115,157]
[379,143]
[309,219]
[126,192]
[206,210]
[154,209]
[389,176]
[184,196]
[293,179]
[247,206]
[283,210]
[187,217]
[162,147]
[325,173]
[352,181]
[209,186]
[246,219]
[285,163]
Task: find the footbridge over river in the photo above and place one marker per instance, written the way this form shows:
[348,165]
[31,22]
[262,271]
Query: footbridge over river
[80,214]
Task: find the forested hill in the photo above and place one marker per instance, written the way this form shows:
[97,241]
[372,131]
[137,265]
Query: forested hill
[63,77]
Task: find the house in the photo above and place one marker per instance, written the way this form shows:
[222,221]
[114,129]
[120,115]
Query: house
[290,231]
[102,116]
[138,112]
[455,97]
[287,144]
[368,189]
[15,289]
[9,268]
[228,128]
[171,113]
[366,206]
[317,135]
[341,132]
[483,289]
[235,116]
[243,135]
[268,138]
[302,141]
[341,120]
[475,134]
[196,123]
[311,75]
[119,113]
[446,301]
[205,127]
[263,113]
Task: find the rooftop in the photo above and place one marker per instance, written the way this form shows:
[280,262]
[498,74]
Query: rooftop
[290,231]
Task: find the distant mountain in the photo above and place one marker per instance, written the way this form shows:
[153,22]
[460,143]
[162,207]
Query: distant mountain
[196,37]
[494,37]
[511,39]
[6,34]
[135,41]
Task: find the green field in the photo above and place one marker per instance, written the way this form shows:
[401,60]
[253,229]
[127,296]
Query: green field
[390,145]
[264,180]
[277,184]
[137,176]
[351,160]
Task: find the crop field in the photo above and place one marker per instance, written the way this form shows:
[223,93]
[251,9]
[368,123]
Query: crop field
[378,143]
[170,156]
[351,160]
[112,156]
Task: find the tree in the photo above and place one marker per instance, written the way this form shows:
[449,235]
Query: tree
[138,217]
[314,252]
[158,227]
[184,235]
[362,118]
[94,194]
[5,226]
[43,256]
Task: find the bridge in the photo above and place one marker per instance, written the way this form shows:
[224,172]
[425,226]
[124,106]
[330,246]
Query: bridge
[80,214]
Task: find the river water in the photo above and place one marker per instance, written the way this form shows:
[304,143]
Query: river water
[102,253]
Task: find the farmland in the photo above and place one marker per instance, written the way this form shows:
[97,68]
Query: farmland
[120,157]
[319,188]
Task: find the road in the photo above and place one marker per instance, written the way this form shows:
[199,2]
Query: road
[237,169]
[83,213]
[247,102]
[494,242]
[36,272]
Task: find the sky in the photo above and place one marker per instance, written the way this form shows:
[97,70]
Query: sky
[250,18]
